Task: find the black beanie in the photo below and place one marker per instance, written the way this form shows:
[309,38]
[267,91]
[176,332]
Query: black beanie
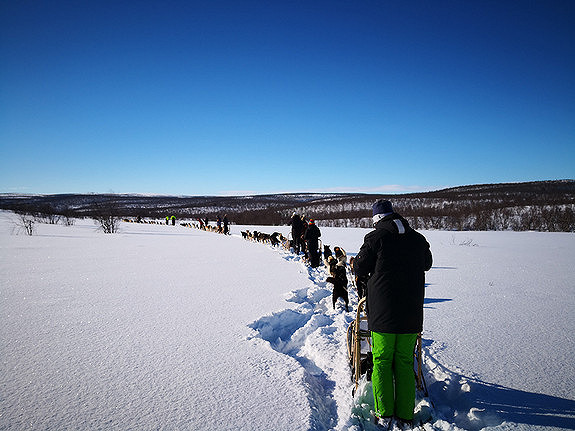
[382,207]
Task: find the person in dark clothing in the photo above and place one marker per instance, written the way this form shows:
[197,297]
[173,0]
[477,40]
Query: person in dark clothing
[394,258]
[312,235]
[302,237]
[226,225]
[296,232]
[219,224]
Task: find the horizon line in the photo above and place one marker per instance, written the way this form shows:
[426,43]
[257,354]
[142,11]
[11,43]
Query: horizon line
[391,189]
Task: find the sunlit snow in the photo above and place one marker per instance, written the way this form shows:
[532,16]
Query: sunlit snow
[168,327]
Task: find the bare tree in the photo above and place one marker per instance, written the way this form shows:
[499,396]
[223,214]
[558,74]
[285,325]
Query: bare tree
[107,216]
[47,213]
[25,222]
[68,217]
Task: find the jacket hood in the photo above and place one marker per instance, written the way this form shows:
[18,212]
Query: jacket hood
[394,223]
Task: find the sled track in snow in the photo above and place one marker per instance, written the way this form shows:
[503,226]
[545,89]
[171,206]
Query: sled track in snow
[287,331]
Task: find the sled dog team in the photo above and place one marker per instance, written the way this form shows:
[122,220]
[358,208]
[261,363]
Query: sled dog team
[390,271]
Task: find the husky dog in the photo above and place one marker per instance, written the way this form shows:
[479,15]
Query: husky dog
[340,255]
[338,277]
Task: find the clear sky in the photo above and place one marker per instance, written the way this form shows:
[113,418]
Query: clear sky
[247,97]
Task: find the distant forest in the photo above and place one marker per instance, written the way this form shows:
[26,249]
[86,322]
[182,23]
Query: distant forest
[547,206]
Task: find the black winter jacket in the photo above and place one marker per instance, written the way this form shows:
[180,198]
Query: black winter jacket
[395,258]
[312,234]
[296,226]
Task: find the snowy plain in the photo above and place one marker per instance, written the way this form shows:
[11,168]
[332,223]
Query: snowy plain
[173,328]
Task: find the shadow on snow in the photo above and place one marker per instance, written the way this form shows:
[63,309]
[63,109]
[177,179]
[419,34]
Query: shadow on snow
[473,404]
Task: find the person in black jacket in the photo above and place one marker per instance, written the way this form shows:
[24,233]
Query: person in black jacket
[394,257]
[226,225]
[296,232]
[311,237]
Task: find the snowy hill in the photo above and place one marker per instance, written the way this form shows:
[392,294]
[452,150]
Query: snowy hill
[167,327]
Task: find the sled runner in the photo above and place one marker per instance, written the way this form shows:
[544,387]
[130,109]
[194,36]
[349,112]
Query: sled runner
[359,349]
[360,356]
[359,345]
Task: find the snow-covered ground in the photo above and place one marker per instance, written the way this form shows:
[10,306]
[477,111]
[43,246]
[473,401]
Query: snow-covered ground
[162,327]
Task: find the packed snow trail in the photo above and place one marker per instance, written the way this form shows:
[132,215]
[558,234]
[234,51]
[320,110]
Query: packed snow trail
[315,335]
[462,399]
[299,334]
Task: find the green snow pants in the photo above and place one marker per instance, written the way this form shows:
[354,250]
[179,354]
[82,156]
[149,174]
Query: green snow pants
[393,378]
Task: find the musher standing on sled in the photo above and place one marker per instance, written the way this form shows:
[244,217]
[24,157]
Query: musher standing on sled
[311,237]
[395,258]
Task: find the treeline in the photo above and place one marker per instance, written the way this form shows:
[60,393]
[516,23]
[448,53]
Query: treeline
[536,218]
[543,206]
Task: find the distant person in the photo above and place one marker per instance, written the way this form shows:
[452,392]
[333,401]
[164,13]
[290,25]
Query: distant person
[226,225]
[312,235]
[167,220]
[296,232]
[394,258]
[173,220]
[302,236]
[219,224]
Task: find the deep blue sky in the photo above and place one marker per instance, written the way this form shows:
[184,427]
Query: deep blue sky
[244,97]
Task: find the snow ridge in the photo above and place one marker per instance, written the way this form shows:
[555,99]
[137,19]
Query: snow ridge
[296,332]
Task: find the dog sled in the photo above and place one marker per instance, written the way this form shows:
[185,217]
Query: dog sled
[359,350]
[359,346]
